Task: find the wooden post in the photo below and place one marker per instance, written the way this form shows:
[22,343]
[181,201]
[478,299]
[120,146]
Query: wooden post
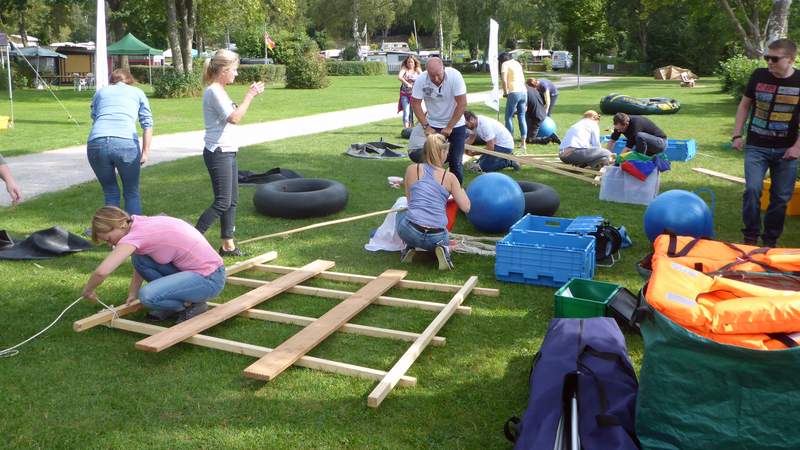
[724,176]
[106,316]
[208,319]
[390,381]
[531,162]
[270,366]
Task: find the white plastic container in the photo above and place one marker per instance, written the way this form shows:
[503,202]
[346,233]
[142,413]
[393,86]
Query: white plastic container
[621,187]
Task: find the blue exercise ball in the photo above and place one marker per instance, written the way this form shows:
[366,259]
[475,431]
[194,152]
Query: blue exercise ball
[547,127]
[678,211]
[497,202]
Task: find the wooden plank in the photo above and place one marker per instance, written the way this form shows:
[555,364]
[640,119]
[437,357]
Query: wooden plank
[257,351]
[105,316]
[334,293]
[529,162]
[273,364]
[197,324]
[364,330]
[724,176]
[244,265]
[393,377]
[364,279]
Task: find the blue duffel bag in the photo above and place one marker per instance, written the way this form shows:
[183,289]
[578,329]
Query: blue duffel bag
[583,390]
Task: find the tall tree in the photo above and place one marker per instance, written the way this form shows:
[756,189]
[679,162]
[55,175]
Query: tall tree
[172,36]
[747,17]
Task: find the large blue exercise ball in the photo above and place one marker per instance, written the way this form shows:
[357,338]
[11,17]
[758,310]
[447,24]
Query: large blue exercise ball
[547,127]
[678,211]
[497,202]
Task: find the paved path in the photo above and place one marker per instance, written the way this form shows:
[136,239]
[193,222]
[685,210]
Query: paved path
[59,169]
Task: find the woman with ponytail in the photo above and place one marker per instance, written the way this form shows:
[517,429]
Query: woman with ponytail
[221,117]
[182,270]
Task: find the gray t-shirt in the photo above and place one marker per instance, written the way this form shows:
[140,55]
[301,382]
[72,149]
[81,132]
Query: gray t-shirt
[217,106]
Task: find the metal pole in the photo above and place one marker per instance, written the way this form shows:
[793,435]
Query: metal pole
[150,69]
[416,39]
[579,67]
[10,90]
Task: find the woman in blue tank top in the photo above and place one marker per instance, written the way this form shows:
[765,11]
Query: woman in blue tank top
[428,186]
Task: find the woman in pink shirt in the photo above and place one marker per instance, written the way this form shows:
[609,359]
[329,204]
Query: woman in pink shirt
[182,270]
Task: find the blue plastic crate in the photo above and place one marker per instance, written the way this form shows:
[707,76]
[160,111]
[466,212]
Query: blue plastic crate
[558,258]
[584,224]
[677,149]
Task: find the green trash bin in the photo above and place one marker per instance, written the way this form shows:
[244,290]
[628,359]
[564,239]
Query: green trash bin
[582,298]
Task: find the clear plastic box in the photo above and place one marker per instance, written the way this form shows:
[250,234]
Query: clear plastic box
[618,186]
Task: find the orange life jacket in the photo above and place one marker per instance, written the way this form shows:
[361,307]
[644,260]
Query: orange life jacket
[724,310]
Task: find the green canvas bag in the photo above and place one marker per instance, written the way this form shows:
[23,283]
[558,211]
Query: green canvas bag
[695,393]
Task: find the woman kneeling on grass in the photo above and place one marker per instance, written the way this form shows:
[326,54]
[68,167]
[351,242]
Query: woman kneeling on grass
[428,186]
[182,270]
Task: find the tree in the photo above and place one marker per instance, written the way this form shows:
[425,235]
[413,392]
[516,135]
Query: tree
[747,17]
[585,25]
[181,16]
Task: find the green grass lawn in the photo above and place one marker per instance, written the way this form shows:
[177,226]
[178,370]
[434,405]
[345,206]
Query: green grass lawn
[95,390]
[41,123]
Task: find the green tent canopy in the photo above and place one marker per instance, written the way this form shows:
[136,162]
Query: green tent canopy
[130,45]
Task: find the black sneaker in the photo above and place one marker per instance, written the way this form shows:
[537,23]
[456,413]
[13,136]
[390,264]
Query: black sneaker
[554,138]
[515,165]
[192,311]
[161,314]
[407,254]
[443,256]
[235,252]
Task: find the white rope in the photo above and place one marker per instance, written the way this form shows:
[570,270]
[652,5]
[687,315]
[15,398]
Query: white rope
[11,351]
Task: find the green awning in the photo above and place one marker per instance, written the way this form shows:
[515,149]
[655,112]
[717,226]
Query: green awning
[129,45]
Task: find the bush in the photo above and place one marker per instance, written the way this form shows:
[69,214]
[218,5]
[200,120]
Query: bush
[466,67]
[735,72]
[350,53]
[348,68]
[306,69]
[268,73]
[177,85]
[140,73]
[287,44]
[548,64]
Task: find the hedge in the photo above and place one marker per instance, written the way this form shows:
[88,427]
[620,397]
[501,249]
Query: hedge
[735,72]
[248,73]
[356,68]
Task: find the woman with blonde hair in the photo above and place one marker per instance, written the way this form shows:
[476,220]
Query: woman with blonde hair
[182,270]
[221,117]
[581,145]
[410,70]
[428,186]
[113,144]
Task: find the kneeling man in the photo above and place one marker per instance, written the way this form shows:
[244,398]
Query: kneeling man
[497,138]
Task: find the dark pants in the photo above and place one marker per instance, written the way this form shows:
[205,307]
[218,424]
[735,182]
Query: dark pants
[649,144]
[455,157]
[225,183]
[782,175]
[491,163]
[533,129]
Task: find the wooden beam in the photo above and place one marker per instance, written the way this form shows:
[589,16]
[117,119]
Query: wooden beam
[393,377]
[724,176]
[244,265]
[364,330]
[364,279]
[208,319]
[333,293]
[257,351]
[292,349]
[529,162]
[105,316]
[322,224]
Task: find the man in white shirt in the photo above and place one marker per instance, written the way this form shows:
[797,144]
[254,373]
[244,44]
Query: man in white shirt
[445,95]
[497,138]
[581,145]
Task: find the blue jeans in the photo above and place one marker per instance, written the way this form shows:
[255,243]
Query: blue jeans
[516,102]
[491,163]
[455,158]
[418,239]
[408,114]
[168,288]
[224,174]
[782,176]
[648,144]
[110,156]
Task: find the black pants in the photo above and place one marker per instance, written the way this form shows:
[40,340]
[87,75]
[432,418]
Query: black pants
[225,183]
[533,130]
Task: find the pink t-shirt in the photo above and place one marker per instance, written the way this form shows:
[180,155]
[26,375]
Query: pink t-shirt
[170,240]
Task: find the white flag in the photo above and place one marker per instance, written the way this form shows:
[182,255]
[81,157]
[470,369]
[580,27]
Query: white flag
[493,101]
[100,51]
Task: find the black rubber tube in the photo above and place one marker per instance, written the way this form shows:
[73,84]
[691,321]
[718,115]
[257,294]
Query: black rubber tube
[540,199]
[299,198]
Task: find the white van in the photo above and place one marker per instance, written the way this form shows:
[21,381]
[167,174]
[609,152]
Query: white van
[562,59]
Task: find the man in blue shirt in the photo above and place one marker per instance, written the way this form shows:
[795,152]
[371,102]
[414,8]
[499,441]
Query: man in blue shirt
[548,90]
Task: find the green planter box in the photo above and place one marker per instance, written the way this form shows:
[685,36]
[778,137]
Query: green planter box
[581,298]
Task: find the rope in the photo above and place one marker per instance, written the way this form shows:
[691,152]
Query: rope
[47,85]
[11,351]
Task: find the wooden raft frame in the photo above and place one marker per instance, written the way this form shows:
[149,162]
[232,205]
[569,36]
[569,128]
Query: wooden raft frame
[541,162]
[272,362]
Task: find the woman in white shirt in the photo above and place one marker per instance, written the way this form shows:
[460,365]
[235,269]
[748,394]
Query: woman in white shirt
[581,145]
[221,116]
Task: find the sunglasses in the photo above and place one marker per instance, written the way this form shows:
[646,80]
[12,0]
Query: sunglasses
[773,59]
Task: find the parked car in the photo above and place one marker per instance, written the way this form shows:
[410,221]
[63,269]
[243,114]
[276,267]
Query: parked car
[562,59]
[257,61]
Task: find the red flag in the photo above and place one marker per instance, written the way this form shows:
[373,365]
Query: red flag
[268,42]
